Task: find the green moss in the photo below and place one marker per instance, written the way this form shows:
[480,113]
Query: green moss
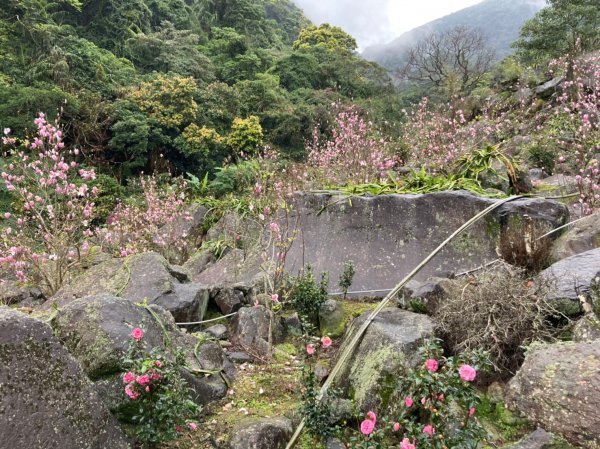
[493,229]
[365,374]
[350,310]
[499,421]
[284,351]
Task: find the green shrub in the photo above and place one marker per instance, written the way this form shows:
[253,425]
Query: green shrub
[307,297]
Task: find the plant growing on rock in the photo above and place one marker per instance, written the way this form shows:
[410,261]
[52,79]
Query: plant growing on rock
[307,297]
[346,277]
[154,382]
[47,232]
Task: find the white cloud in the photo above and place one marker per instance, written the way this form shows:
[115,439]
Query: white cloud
[378,21]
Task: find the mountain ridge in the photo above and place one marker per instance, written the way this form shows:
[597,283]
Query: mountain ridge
[507,17]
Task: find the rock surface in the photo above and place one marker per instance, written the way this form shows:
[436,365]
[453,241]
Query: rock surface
[145,276]
[46,401]
[570,277]
[96,331]
[253,327]
[558,388]
[332,319]
[538,439]
[581,237]
[261,433]
[390,342]
[229,300]
[387,236]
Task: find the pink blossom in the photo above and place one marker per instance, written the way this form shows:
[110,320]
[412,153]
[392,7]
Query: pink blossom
[326,341]
[408,401]
[372,416]
[441,397]
[310,349]
[143,380]
[261,217]
[275,298]
[431,365]
[429,430]
[274,227]
[471,411]
[367,426]
[128,377]
[467,373]
[7,215]
[396,427]
[147,389]
[137,334]
[406,444]
[193,426]
[129,391]
[158,363]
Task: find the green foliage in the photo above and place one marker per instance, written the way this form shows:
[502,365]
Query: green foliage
[109,194]
[346,277]
[246,136]
[155,383]
[325,36]
[234,178]
[307,297]
[563,27]
[317,414]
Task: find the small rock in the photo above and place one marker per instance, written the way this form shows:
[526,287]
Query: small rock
[292,325]
[581,237]
[218,331]
[252,326]
[332,319]
[239,357]
[539,439]
[261,433]
[546,90]
[587,328]
[334,443]
[229,300]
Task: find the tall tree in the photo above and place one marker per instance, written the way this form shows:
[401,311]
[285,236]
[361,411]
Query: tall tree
[564,27]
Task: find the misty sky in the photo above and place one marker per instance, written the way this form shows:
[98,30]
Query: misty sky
[379,21]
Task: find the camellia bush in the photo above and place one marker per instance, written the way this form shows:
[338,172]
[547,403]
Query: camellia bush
[46,233]
[154,382]
[435,406]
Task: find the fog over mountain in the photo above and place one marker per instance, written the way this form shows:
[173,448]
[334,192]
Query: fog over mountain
[379,21]
[499,20]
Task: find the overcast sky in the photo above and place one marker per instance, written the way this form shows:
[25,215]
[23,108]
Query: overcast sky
[379,21]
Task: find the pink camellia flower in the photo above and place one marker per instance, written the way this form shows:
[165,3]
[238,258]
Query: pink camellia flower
[367,426]
[441,397]
[7,215]
[406,444]
[429,430]
[467,373]
[310,349]
[396,427]
[158,363]
[408,401]
[128,377]
[423,401]
[137,334]
[178,429]
[193,426]
[129,391]
[372,416]
[326,341]
[147,389]
[431,365]
[143,380]
[471,411]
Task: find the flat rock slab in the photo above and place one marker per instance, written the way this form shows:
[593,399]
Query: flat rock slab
[387,236]
[558,388]
[46,401]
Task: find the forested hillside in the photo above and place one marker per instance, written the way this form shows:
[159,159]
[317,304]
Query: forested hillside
[146,84]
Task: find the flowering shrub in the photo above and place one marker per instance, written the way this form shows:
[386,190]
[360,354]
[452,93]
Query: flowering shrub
[151,225]
[354,154]
[317,414]
[153,380]
[47,232]
[438,402]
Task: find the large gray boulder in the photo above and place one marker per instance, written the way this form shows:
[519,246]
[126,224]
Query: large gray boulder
[261,433]
[140,277]
[558,388]
[581,237]
[388,235]
[46,401]
[97,332]
[186,230]
[571,277]
[390,342]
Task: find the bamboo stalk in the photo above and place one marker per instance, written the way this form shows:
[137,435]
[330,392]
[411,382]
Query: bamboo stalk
[358,335]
